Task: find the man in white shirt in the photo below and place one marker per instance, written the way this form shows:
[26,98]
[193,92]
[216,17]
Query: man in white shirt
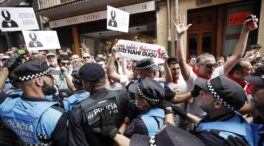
[206,63]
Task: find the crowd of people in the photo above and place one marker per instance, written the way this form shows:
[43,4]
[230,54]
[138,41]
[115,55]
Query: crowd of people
[62,98]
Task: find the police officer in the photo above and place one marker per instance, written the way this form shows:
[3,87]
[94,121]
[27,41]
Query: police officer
[78,96]
[258,104]
[7,137]
[220,98]
[149,95]
[33,119]
[167,136]
[141,69]
[84,118]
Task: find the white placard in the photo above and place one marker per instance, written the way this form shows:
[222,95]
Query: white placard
[137,51]
[117,20]
[17,19]
[41,40]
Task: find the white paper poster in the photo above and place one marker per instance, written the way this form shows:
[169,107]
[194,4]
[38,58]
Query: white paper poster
[17,19]
[117,19]
[137,51]
[41,40]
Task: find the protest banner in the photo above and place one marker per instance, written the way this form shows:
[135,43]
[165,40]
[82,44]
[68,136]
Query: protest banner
[17,19]
[41,40]
[137,51]
[117,20]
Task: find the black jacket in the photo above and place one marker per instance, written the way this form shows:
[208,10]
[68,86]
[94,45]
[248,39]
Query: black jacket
[84,126]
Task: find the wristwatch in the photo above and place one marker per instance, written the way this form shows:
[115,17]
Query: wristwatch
[168,110]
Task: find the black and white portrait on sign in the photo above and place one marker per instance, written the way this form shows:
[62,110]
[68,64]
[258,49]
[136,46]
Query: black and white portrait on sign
[7,22]
[112,22]
[41,40]
[34,42]
[117,20]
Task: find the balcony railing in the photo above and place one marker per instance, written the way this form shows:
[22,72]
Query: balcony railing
[50,3]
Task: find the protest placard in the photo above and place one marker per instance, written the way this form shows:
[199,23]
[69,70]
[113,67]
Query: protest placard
[137,51]
[41,40]
[17,19]
[117,20]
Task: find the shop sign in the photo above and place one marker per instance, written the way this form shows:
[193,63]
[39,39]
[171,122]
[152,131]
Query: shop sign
[17,19]
[131,9]
[237,18]
[117,20]
[41,40]
[137,51]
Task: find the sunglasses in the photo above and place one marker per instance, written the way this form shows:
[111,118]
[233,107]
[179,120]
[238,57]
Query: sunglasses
[86,57]
[210,66]
[65,63]
[4,59]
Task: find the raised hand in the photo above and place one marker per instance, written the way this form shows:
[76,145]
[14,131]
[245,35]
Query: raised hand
[11,63]
[246,23]
[114,48]
[166,57]
[64,71]
[180,26]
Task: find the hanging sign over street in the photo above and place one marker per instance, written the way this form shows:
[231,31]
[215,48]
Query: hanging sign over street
[117,20]
[137,51]
[41,40]
[17,19]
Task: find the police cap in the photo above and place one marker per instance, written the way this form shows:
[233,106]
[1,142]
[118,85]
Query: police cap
[91,72]
[230,93]
[32,69]
[149,89]
[147,64]
[169,136]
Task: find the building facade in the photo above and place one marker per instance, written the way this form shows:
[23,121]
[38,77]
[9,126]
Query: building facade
[216,23]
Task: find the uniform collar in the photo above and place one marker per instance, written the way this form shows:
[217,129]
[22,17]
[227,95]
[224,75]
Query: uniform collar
[97,91]
[221,118]
[33,98]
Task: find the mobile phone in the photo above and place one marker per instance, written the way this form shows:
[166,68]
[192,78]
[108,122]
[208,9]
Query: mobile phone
[252,24]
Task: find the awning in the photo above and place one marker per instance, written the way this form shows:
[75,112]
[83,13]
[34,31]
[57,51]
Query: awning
[79,7]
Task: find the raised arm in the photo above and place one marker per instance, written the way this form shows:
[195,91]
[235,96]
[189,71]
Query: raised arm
[111,70]
[8,66]
[68,79]
[3,76]
[239,49]
[180,29]
[168,75]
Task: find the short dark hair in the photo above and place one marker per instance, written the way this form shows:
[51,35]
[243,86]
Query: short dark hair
[172,60]
[64,57]
[237,67]
[259,59]
[98,59]
[259,71]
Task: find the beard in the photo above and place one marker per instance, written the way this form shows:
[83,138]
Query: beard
[207,107]
[48,90]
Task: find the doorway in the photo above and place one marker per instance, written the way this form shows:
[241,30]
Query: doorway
[201,37]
